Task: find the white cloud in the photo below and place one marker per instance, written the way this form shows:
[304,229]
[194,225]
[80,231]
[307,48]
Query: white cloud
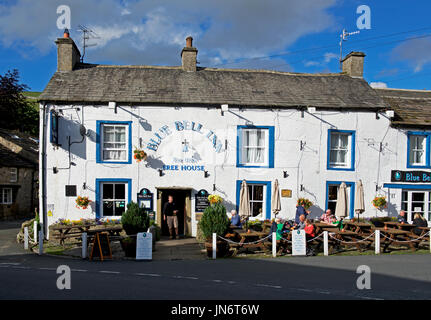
[153,32]
[379,85]
[416,52]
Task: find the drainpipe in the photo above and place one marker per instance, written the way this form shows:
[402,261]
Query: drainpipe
[42,171]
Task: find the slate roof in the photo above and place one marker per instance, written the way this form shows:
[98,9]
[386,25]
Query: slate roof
[412,107]
[238,87]
[9,158]
[30,145]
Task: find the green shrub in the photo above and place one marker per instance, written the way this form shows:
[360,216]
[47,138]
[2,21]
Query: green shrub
[158,229]
[135,219]
[214,219]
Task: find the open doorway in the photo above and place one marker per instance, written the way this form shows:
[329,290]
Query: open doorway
[182,204]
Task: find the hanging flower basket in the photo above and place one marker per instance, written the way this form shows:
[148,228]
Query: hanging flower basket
[214,199]
[82,202]
[380,203]
[139,155]
[303,201]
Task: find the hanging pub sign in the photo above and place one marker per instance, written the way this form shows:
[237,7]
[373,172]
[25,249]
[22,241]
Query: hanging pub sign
[410,176]
[201,200]
[145,199]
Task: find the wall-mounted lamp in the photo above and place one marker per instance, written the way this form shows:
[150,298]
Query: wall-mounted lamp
[224,108]
[214,187]
[285,174]
[302,113]
[160,172]
[206,174]
[84,186]
[377,116]
[301,187]
[55,170]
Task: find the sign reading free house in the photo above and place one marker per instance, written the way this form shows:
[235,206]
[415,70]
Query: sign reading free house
[411,176]
[185,146]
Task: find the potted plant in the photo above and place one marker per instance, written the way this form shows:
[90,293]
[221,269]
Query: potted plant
[215,220]
[380,203]
[304,201]
[133,220]
[139,155]
[82,202]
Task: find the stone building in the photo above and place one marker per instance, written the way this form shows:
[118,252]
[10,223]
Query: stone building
[18,175]
[207,129]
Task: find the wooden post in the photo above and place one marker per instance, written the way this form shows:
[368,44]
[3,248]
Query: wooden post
[214,245]
[377,242]
[25,238]
[274,244]
[84,245]
[325,243]
[35,231]
[40,242]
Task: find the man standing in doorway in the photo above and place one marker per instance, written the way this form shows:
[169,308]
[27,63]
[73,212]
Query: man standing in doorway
[170,216]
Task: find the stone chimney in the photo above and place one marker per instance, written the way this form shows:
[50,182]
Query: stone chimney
[189,55]
[353,64]
[68,54]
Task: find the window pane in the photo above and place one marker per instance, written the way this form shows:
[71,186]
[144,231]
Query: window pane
[120,191]
[108,191]
[418,196]
[120,207]
[332,193]
[344,141]
[108,208]
[405,196]
[257,208]
[258,193]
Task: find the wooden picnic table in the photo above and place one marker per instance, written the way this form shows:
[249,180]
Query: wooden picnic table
[359,227]
[401,226]
[397,237]
[348,238]
[320,225]
[75,231]
[248,239]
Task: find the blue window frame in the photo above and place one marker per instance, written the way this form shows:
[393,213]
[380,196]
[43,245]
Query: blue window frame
[255,147]
[99,195]
[341,150]
[418,149]
[99,143]
[351,198]
[266,195]
[53,136]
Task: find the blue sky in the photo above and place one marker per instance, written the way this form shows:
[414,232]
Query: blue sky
[285,35]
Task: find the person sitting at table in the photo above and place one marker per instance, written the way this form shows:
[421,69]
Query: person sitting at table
[326,217]
[309,229]
[300,210]
[301,224]
[338,223]
[402,217]
[419,221]
[235,220]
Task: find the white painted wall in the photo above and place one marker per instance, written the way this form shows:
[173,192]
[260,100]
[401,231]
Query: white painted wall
[307,167]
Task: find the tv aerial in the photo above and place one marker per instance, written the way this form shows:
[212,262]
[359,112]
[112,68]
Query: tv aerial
[343,37]
[87,34]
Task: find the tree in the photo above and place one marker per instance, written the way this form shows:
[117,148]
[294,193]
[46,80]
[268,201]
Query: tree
[17,113]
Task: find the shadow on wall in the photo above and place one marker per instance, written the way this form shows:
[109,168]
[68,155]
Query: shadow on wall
[154,163]
[392,210]
[72,128]
[316,212]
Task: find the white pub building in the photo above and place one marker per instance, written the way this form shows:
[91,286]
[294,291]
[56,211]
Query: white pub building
[205,130]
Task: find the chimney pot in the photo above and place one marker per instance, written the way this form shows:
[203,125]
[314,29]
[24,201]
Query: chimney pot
[353,64]
[66,33]
[189,42]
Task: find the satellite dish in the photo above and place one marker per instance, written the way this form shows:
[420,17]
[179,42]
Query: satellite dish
[82,130]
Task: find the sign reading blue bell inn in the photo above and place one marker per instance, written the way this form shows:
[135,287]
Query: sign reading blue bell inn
[411,176]
[186,144]
[184,125]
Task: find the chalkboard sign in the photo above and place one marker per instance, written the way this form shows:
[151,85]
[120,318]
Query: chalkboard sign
[201,200]
[101,247]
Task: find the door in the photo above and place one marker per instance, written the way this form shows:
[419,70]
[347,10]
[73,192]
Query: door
[182,204]
[416,201]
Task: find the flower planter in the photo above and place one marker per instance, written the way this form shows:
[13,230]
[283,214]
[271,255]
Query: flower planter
[222,248]
[129,247]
